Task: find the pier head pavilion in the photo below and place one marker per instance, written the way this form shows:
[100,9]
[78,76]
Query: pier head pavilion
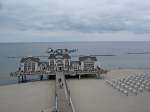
[59,60]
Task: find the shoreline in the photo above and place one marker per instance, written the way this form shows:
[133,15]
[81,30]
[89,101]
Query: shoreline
[109,70]
[40,95]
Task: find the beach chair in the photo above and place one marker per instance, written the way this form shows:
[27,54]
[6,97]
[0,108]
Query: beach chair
[135,86]
[142,86]
[121,90]
[130,89]
[125,92]
[134,92]
[147,88]
[140,89]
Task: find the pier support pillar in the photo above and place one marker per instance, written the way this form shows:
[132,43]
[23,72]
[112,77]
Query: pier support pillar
[49,77]
[22,78]
[25,78]
[19,79]
[79,76]
[41,77]
[98,76]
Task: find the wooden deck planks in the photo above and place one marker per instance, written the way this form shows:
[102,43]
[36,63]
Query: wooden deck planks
[63,101]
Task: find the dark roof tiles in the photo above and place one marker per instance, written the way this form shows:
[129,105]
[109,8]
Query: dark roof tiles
[31,58]
[52,56]
[83,58]
[43,63]
[66,56]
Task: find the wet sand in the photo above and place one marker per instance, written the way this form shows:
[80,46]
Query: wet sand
[93,95]
[27,97]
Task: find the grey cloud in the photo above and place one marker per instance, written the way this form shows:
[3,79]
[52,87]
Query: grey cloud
[0,5]
[80,15]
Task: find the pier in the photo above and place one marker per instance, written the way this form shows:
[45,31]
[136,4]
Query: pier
[59,65]
[58,60]
[22,77]
[63,98]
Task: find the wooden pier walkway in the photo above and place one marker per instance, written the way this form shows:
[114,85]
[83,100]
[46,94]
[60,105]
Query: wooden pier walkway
[64,103]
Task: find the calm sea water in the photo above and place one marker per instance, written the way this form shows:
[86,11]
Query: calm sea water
[120,49]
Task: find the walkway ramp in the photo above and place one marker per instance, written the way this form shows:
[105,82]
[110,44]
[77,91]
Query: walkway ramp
[63,99]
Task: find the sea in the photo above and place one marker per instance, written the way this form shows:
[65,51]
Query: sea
[110,55]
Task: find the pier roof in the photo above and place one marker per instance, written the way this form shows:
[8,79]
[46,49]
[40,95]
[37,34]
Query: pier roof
[31,58]
[54,56]
[66,56]
[83,58]
[43,63]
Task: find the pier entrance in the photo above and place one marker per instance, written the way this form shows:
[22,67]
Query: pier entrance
[60,65]
[60,69]
[63,99]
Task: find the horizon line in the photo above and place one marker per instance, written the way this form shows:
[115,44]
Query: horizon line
[76,41]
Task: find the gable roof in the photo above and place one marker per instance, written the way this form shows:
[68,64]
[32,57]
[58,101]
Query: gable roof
[31,58]
[63,56]
[46,63]
[83,58]
[66,56]
[51,56]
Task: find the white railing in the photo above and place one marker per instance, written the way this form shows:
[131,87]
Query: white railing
[56,103]
[68,94]
[73,109]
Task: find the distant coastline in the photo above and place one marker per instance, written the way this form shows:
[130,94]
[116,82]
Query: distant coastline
[138,53]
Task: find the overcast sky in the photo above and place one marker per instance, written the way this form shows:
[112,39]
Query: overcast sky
[74,20]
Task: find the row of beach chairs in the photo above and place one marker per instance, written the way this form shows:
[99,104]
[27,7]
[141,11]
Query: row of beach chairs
[134,84]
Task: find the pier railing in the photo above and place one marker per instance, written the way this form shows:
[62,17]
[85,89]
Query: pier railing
[67,89]
[69,97]
[56,98]
[54,72]
[63,98]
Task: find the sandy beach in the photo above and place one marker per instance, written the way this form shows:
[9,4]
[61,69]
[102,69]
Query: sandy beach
[93,95]
[27,97]
[88,95]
